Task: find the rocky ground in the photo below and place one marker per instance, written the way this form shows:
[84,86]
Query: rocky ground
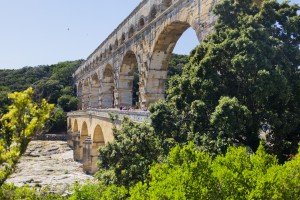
[48,164]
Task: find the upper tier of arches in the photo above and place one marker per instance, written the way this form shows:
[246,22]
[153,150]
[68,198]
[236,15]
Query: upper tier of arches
[138,52]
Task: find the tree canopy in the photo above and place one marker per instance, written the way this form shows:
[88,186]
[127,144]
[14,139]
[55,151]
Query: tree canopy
[242,83]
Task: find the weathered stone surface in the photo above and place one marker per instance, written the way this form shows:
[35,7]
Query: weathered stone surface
[49,164]
[144,40]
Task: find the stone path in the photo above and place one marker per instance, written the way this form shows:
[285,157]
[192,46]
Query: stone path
[49,164]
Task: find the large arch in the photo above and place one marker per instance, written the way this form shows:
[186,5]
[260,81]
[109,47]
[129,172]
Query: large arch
[95,87]
[126,80]
[79,95]
[159,61]
[107,88]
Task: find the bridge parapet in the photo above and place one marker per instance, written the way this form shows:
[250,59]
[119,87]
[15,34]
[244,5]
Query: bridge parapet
[136,116]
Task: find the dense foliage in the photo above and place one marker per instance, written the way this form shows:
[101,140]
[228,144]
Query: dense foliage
[191,174]
[24,120]
[240,85]
[126,160]
[53,83]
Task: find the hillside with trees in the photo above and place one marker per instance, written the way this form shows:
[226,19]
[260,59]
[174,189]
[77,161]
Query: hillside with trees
[51,82]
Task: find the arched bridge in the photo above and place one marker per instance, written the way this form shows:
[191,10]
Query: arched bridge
[142,44]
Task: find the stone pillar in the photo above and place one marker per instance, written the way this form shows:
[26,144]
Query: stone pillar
[125,90]
[69,138]
[107,96]
[76,146]
[155,89]
[85,100]
[95,156]
[94,97]
[87,150]
[79,104]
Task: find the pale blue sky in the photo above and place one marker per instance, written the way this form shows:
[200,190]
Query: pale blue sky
[38,32]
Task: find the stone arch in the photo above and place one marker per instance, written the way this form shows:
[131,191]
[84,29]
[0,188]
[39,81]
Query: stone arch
[95,86]
[110,49]
[75,126]
[98,136]
[131,32]
[160,56]
[79,95]
[116,44]
[123,38]
[126,80]
[153,13]
[141,22]
[107,88]
[167,3]
[84,130]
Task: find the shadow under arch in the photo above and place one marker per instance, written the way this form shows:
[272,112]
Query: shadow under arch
[75,126]
[108,87]
[126,89]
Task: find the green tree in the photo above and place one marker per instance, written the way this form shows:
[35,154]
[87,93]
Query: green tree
[252,56]
[67,102]
[192,174]
[126,160]
[24,119]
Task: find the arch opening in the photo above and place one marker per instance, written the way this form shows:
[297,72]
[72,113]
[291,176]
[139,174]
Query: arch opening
[141,22]
[122,38]
[98,136]
[75,127]
[84,132]
[108,87]
[153,13]
[131,32]
[167,3]
[159,63]
[116,44]
[129,80]
[95,86]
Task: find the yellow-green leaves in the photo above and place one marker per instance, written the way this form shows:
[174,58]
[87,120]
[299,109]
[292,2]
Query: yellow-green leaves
[24,119]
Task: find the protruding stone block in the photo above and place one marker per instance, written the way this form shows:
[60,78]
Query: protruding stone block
[87,150]
[76,147]
[69,138]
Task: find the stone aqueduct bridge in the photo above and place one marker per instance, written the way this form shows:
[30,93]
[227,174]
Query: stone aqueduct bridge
[144,41]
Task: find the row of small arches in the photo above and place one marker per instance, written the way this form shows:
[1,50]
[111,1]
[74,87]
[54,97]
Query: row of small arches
[133,28]
[97,135]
